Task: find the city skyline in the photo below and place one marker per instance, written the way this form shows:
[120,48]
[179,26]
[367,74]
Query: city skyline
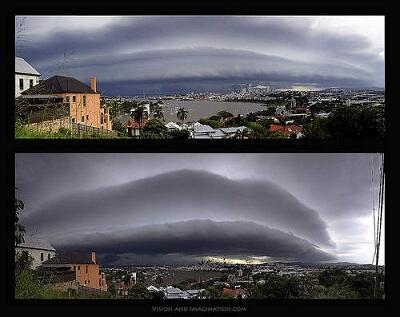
[135,55]
[162,208]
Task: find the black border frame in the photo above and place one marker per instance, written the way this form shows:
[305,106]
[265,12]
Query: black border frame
[12,146]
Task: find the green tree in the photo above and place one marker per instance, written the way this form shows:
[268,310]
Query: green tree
[316,129]
[158,112]
[23,261]
[139,292]
[182,114]
[224,114]
[117,126]
[154,129]
[252,117]
[139,114]
[178,134]
[212,123]
[242,134]
[19,228]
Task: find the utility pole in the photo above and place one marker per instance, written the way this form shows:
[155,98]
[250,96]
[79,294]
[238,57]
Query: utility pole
[379,224]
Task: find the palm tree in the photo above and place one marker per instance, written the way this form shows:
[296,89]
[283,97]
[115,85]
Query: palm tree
[182,114]
[158,113]
[241,134]
[139,114]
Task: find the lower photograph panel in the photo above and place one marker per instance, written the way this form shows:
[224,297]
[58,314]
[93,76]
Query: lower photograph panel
[199,226]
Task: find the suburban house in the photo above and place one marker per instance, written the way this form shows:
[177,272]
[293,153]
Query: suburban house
[204,131]
[39,249]
[25,76]
[287,130]
[133,127]
[235,293]
[82,267]
[83,100]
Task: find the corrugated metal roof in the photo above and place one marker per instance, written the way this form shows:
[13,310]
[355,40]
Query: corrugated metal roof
[36,243]
[22,66]
[233,129]
[202,128]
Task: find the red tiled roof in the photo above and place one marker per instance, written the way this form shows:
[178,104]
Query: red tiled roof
[132,123]
[233,292]
[286,130]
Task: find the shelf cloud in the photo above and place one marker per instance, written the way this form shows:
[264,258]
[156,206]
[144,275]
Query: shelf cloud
[198,238]
[177,196]
[158,54]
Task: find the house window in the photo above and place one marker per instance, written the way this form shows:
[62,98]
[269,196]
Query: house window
[48,256]
[74,268]
[86,268]
[88,281]
[73,98]
[30,83]
[41,256]
[67,98]
[73,120]
[84,100]
[83,119]
[85,282]
[79,267]
[87,117]
[21,84]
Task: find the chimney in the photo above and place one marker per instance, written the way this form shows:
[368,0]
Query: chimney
[93,257]
[93,83]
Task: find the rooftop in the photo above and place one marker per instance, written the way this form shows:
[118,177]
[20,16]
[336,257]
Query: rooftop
[59,84]
[23,67]
[36,243]
[70,258]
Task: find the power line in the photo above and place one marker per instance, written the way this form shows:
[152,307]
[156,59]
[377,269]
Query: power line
[379,223]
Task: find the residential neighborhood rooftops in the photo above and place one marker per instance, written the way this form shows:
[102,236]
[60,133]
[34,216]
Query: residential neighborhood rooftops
[23,67]
[59,84]
[233,129]
[202,128]
[32,242]
[286,130]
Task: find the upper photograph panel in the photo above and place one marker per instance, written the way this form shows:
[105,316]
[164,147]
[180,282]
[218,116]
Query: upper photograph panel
[200,77]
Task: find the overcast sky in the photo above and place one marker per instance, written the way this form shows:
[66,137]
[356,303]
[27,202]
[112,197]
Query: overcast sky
[164,54]
[308,207]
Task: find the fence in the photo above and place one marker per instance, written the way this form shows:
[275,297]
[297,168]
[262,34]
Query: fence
[51,117]
[87,131]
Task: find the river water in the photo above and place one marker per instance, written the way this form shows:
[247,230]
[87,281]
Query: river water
[198,109]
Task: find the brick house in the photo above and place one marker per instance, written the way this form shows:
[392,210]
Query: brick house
[83,100]
[84,269]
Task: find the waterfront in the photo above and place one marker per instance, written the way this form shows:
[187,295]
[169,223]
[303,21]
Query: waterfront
[199,109]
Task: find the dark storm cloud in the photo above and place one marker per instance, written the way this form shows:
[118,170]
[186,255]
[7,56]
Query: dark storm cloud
[150,50]
[198,238]
[66,193]
[181,195]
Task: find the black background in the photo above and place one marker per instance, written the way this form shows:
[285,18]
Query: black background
[10,146]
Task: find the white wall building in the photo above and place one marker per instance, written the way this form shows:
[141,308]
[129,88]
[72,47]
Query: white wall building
[25,76]
[39,249]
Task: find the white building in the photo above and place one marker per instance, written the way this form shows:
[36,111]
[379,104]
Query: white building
[201,131]
[172,126]
[146,109]
[39,249]
[25,76]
